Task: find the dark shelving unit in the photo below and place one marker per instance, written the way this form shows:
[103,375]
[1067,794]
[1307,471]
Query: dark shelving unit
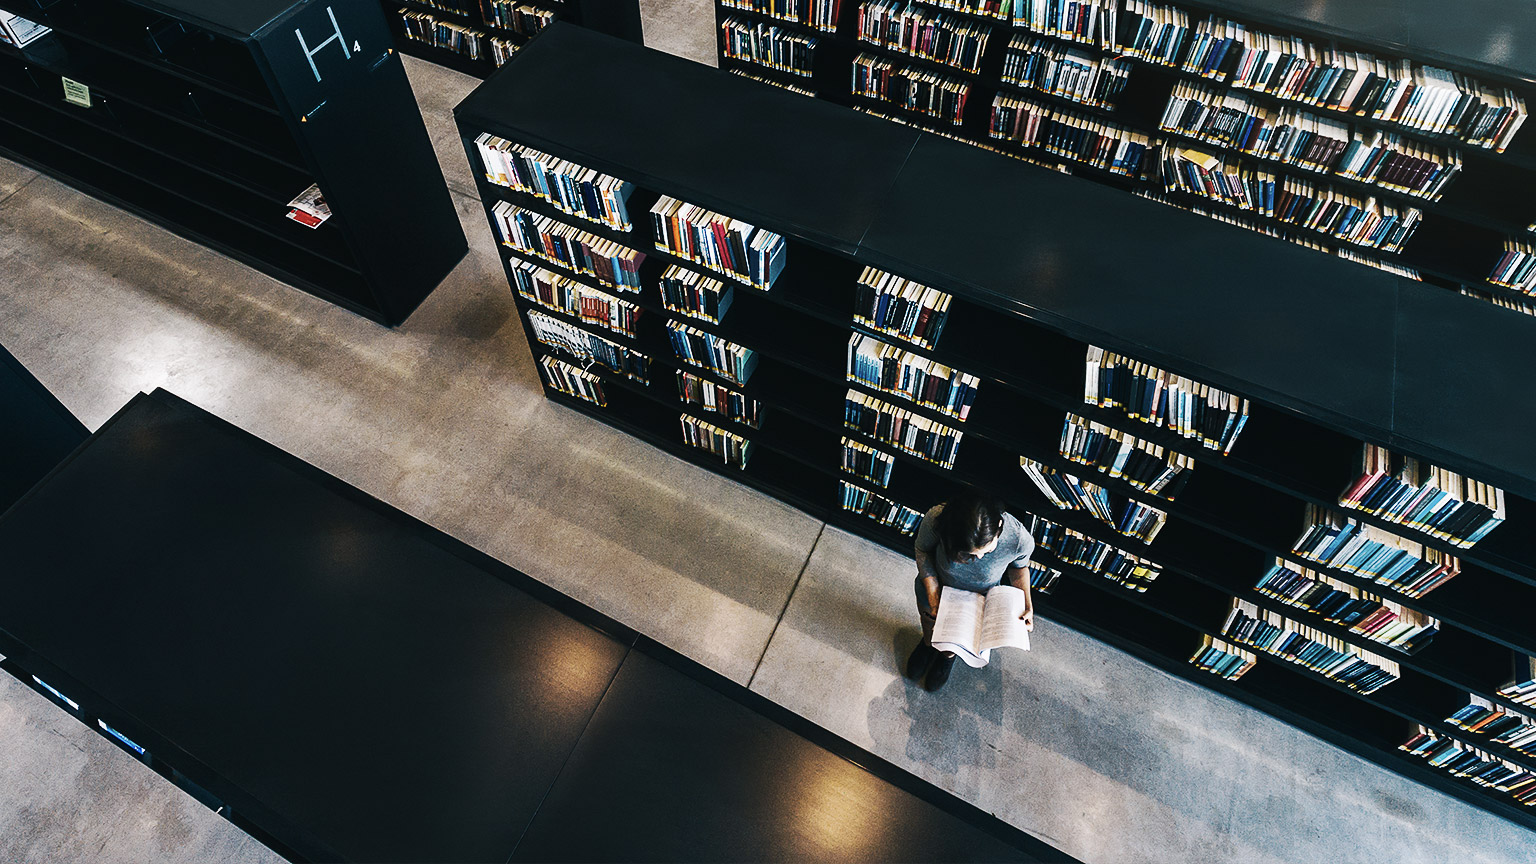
[1032,289]
[37,434]
[208,118]
[620,18]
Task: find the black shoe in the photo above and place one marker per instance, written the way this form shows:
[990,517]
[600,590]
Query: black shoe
[922,658]
[938,673]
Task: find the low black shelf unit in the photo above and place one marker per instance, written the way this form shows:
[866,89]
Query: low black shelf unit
[213,118]
[477,36]
[1034,273]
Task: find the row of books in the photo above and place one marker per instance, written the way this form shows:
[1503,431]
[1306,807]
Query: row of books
[524,18]
[573,380]
[1147,466]
[908,432]
[730,447]
[911,88]
[539,235]
[565,294]
[819,14]
[926,382]
[867,462]
[588,347]
[1329,656]
[782,85]
[1128,517]
[1078,137]
[691,293]
[1379,620]
[1303,140]
[568,187]
[704,349]
[900,307]
[767,45]
[1435,500]
[1501,301]
[1498,724]
[1222,658]
[1407,567]
[1516,268]
[879,508]
[1182,405]
[907,28]
[719,399]
[1074,547]
[1042,578]
[1479,766]
[1522,690]
[728,246]
[1038,64]
[427,28]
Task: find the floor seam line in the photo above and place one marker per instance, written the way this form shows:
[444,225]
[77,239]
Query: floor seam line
[787,600]
[14,192]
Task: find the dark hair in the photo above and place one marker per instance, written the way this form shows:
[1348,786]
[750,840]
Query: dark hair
[969,521]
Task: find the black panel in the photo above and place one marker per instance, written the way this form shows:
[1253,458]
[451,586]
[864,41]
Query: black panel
[231,17]
[36,430]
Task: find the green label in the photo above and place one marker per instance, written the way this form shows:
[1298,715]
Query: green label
[76,93]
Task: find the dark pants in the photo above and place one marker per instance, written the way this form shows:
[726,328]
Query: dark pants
[922,610]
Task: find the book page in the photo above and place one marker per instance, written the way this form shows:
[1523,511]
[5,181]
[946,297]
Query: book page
[1001,626]
[958,627]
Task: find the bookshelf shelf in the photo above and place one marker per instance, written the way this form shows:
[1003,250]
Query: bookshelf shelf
[619,18]
[1033,288]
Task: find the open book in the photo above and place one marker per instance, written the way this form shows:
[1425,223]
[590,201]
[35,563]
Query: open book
[970,625]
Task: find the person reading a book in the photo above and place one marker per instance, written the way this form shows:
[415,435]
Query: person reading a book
[967,545]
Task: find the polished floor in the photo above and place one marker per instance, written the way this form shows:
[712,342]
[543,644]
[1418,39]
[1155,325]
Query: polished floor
[1105,757]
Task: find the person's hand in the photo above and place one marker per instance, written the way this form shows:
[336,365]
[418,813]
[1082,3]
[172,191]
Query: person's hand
[933,603]
[1028,618]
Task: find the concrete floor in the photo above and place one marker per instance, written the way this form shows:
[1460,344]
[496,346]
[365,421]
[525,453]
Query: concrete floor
[1108,758]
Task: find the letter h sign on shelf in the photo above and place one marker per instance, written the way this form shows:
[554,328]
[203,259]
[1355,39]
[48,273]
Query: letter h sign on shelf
[309,53]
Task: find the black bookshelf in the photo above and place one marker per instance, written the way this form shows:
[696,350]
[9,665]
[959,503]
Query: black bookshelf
[1331,354]
[1461,235]
[208,117]
[471,29]
[37,434]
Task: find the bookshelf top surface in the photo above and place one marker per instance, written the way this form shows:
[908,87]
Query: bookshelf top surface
[1338,342]
[234,18]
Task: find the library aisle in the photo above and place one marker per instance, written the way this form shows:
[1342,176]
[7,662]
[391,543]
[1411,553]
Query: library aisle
[1102,755]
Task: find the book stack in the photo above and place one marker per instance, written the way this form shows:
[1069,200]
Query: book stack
[1363,221]
[1153,32]
[691,293]
[1223,658]
[719,399]
[728,246]
[1433,100]
[538,235]
[879,508]
[1214,47]
[927,93]
[867,462]
[1078,137]
[589,347]
[1131,518]
[1042,578]
[564,294]
[1372,617]
[900,26]
[1329,656]
[426,28]
[817,14]
[779,84]
[1092,22]
[1073,547]
[908,432]
[1522,690]
[1393,162]
[573,380]
[1142,464]
[1516,268]
[708,351]
[985,8]
[1346,544]
[767,45]
[522,18]
[1411,492]
[1479,766]
[570,188]
[1500,725]
[1289,135]
[729,446]
[900,307]
[1182,405]
[926,382]
[1039,64]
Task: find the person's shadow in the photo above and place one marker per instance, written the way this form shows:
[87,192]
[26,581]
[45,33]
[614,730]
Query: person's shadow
[942,731]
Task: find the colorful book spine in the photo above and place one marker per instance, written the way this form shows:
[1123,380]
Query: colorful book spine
[925,382]
[1220,657]
[900,307]
[521,18]
[730,447]
[719,399]
[691,293]
[907,28]
[879,508]
[1329,656]
[1073,547]
[573,380]
[1496,724]
[1382,621]
[1479,766]
[731,247]
[1516,268]
[564,294]
[1128,517]
[918,90]
[1091,22]
[763,44]
[570,188]
[589,347]
[542,237]
[1410,568]
[867,462]
[1411,492]
[1122,455]
[1043,578]
[1151,395]
[908,432]
[708,351]
[1071,135]
[1040,64]
[1522,689]
[817,14]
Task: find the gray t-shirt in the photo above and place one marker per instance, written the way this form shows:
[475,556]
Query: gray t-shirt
[1013,550]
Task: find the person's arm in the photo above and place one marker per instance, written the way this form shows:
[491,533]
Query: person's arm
[1018,577]
[923,547]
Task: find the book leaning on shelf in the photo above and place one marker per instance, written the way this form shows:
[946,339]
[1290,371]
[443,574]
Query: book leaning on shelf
[1412,492]
[1128,517]
[1071,73]
[1073,547]
[879,508]
[1516,268]
[1407,567]
[1151,395]
[565,294]
[767,45]
[538,235]
[573,381]
[1043,578]
[1329,656]
[900,307]
[1220,657]
[1119,454]
[969,625]
[570,188]
[1522,690]
[1385,621]
[1479,766]
[1092,22]
[926,382]
[939,96]
[691,293]
[867,462]
[729,446]
[589,347]
[719,399]
[907,28]
[1498,724]
[816,14]
[1070,135]
[728,246]
[708,351]
[908,432]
